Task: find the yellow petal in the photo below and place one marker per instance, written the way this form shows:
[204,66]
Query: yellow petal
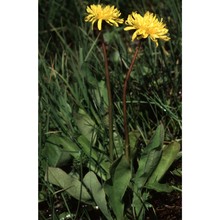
[146,26]
[98,13]
[134,35]
[89,10]
[100,24]
[129,28]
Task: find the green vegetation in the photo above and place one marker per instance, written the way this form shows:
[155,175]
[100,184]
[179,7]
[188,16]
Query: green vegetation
[77,178]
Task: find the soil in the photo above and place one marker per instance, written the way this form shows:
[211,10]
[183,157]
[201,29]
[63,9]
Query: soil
[168,206]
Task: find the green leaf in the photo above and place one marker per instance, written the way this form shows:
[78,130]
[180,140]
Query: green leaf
[67,144]
[70,184]
[146,166]
[118,144]
[177,172]
[87,74]
[157,139]
[98,159]
[92,183]
[160,187]
[101,95]
[65,109]
[56,156]
[86,147]
[86,125]
[133,137]
[116,186]
[168,156]
[140,203]
[149,160]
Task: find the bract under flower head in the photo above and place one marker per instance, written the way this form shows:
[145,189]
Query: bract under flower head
[147,25]
[100,13]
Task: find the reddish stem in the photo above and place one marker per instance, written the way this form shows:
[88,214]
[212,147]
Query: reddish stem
[127,146]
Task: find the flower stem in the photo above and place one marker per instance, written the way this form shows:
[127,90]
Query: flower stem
[127,146]
[110,107]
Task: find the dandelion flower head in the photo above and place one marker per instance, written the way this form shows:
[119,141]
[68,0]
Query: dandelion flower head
[146,26]
[100,13]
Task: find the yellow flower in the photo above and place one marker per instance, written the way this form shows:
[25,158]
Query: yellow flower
[147,25]
[110,14]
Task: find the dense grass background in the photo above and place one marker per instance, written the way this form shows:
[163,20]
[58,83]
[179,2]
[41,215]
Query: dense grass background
[71,78]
